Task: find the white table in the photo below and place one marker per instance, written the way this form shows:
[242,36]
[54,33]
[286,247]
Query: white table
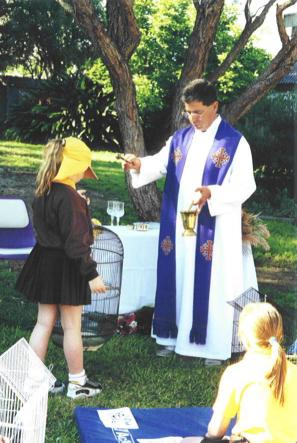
[139,278]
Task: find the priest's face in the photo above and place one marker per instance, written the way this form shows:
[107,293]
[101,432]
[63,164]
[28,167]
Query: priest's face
[201,116]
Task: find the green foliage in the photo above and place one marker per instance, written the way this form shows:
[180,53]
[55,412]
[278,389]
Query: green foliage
[244,71]
[16,155]
[285,302]
[272,200]
[111,185]
[278,266]
[127,367]
[247,66]
[156,65]
[96,71]
[283,246]
[41,38]
[23,318]
[70,105]
[270,130]
[26,157]
[166,26]
[130,372]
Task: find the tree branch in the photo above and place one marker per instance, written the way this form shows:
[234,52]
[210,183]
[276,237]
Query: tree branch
[85,15]
[278,68]
[250,27]
[247,11]
[123,28]
[280,21]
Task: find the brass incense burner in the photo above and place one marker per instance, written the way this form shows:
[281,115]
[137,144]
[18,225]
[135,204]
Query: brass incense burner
[189,218]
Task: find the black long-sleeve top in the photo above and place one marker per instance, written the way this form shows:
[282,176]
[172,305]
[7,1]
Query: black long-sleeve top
[61,219]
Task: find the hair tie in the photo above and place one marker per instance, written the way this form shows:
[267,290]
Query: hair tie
[272,341]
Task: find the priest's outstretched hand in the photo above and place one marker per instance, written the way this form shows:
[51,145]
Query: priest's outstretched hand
[131,162]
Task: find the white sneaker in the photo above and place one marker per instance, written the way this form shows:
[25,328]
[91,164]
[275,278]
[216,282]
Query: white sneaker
[58,388]
[89,389]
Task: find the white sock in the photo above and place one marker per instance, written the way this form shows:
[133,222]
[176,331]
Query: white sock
[79,378]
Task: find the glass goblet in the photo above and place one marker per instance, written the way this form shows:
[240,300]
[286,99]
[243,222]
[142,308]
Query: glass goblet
[111,210]
[119,210]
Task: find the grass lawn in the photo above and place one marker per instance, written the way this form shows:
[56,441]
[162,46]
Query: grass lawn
[130,372]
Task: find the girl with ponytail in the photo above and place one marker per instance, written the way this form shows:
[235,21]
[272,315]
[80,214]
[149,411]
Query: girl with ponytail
[261,389]
[60,274]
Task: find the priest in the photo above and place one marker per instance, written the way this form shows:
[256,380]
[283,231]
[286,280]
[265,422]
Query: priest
[208,163]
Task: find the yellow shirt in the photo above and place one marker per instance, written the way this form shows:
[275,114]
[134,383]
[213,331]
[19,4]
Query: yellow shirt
[245,392]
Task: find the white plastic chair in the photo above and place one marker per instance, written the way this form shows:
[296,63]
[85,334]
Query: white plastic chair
[16,231]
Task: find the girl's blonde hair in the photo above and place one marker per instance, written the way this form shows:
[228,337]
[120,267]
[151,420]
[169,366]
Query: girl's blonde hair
[52,159]
[261,327]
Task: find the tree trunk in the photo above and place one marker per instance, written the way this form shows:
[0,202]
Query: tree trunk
[201,41]
[146,199]
[115,53]
[116,45]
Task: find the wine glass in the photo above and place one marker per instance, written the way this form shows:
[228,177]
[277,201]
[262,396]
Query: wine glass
[111,210]
[119,210]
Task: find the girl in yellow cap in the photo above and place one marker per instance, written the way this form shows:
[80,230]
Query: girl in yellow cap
[260,390]
[60,274]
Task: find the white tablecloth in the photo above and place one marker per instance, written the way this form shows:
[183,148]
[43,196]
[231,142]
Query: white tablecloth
[139,279]
[139,266]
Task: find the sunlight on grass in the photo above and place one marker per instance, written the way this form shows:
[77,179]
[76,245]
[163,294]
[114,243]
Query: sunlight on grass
[20,155]
[111,184]
[130,372]
[127,367]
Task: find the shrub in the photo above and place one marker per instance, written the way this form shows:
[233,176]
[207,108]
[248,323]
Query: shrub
[70,105]
[270,130]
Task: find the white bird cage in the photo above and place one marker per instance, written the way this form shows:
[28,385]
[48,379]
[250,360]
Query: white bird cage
[251,295]
[24,385]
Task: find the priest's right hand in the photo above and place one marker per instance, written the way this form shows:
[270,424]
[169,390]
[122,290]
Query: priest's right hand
[132,162]
[97,284]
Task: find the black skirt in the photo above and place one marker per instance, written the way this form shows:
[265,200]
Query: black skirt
[50,277]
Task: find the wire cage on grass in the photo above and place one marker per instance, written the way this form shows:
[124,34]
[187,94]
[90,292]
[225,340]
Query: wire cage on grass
[99,319]
[24,385]
[251,295]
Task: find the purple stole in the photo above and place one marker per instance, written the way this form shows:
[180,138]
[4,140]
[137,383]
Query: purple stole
[217,164]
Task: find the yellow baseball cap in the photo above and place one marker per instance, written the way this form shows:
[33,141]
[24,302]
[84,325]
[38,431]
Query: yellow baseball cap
[76,159]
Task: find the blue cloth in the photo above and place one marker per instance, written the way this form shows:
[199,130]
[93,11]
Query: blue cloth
[153,423]
[164,323]
[219,159]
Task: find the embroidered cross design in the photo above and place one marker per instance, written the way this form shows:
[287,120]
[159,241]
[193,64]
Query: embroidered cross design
[177,155]
[206,250]
[220,157]
[167,245]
